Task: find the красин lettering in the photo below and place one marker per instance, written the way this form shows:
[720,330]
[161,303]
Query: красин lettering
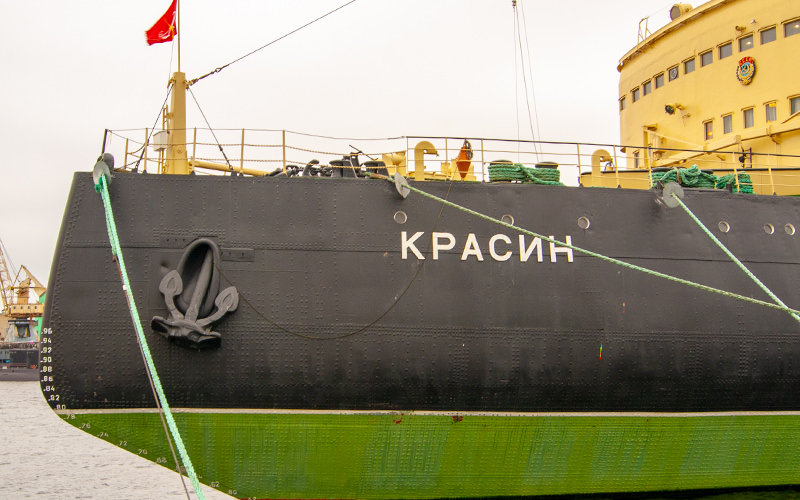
[501,248]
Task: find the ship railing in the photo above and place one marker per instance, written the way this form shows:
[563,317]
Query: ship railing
[273,152]
[260,152]
[767,172]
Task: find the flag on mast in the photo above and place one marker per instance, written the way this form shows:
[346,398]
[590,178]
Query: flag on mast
[165,28]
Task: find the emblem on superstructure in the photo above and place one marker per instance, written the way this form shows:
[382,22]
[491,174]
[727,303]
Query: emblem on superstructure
[746,70]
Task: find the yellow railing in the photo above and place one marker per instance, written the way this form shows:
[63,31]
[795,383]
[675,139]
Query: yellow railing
[266,152]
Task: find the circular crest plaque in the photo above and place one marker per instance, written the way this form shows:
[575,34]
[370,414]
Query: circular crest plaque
[746,70]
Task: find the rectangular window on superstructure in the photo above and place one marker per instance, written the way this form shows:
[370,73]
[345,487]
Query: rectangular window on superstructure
[673,73]
[659,80]
[771,109]
[745,43]
[646,86]
[769,35]
[635,94]
[725,50]
[794,104]
[688,66]
[748,117]
[791,28]
[636,159]
[706,58]
[727,124]
[622,103]
[708,130]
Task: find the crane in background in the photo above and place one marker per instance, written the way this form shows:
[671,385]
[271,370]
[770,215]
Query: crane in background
[22,307]
[21,296]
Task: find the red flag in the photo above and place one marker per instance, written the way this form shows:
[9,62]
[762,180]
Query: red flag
[164,29]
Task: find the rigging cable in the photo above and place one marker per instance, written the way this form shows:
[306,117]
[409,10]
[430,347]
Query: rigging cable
[171,56]
[217,70]
[524,77]
[530,71]
[211,130]
[516,76]
[152,129]
[4,251]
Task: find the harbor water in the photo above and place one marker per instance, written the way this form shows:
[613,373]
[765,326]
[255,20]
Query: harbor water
[44,458]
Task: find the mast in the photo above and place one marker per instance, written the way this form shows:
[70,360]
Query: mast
[177,162]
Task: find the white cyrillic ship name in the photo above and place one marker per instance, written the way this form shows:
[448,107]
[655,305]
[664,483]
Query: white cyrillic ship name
[500,247]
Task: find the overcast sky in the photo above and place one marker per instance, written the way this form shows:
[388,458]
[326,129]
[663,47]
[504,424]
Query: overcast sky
[376,68]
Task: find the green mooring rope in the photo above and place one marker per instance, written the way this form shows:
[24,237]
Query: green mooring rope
[733,257]
[521,173]
[612,260]
[116,250]
[695,178]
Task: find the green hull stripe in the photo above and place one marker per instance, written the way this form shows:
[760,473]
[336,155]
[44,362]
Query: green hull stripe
[391,455]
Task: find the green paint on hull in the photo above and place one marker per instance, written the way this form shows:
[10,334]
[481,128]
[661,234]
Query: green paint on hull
[410,456]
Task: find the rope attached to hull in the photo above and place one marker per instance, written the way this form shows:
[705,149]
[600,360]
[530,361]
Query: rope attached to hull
[116,249]
[778,305]
[733,257]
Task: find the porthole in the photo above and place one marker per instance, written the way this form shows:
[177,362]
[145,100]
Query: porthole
[400,217]
[584,223]
[789,229]
[508,219]
[724,226]
[769,228]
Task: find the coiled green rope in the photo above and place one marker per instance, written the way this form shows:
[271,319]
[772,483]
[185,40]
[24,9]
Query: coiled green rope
[696,178]
[102,188]
[521,173]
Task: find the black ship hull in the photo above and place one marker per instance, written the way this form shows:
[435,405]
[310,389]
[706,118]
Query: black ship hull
[332,310]
[354,299]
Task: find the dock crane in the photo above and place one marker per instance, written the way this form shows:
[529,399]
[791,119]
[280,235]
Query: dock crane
[21,306]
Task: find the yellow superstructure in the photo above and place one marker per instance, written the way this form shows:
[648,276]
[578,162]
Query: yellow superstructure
[718,86]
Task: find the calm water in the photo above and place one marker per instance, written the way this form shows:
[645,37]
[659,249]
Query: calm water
[44,458]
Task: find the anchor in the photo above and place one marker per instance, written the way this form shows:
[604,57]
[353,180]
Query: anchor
[190,307]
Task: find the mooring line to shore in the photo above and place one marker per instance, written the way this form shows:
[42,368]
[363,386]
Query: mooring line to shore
[733,257]
[116,249]
[781,306]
